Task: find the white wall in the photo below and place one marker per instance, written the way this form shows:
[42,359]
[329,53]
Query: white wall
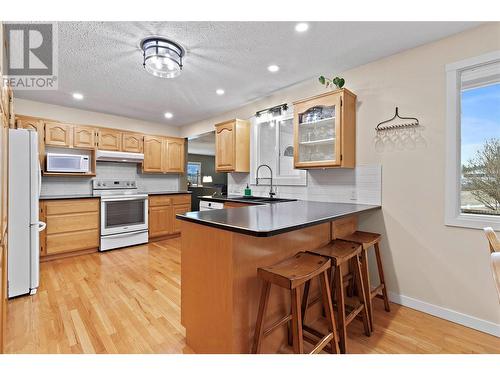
[78,116]
[439,269]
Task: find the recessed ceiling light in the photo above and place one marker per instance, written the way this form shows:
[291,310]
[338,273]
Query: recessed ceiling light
[273,68]
[168,115]
[77,96]
[219,92]
[301,27]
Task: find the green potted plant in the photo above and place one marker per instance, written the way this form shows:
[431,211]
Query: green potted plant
[336,82]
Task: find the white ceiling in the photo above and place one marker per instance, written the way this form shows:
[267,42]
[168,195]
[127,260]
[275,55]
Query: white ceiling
[102,60]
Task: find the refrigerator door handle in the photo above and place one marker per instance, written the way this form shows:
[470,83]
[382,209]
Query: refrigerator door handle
[39,179]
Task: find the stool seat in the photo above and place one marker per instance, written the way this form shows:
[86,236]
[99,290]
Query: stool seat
[295,271]
[339,251]
[366,239]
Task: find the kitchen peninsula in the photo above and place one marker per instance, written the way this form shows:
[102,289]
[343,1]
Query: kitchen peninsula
[220,253]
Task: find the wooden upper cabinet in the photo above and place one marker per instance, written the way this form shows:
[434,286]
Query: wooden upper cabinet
[163,155]
[58,134]
[132,142]
[175,155]
[38,126]
[84,136]
[325,131]
[153,154]
[232,146]
[110,140]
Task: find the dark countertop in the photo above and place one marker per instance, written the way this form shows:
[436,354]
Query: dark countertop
[69,196]
[166,192]
[265,220]
[79,196]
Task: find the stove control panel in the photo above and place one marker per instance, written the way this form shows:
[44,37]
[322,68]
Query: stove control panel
[113,184]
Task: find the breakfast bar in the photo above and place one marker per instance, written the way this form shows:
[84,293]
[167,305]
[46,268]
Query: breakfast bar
[220,253]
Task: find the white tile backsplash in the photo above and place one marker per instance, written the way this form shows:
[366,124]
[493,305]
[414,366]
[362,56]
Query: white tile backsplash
[362,184]
[109,170]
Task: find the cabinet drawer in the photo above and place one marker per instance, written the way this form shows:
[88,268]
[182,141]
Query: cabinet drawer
[160,200]
[66,242]
[181,199]
[68,206]
[72,222]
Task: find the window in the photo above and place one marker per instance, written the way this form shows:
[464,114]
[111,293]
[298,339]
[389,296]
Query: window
[272,144]
[194,173]
[473,142]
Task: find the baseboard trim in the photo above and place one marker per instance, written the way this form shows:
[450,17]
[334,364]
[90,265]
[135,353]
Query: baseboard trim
[447,314]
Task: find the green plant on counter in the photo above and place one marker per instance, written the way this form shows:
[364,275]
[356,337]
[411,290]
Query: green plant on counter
[338,82]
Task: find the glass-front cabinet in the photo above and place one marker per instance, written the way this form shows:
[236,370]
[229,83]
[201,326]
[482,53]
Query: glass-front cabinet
[325,131]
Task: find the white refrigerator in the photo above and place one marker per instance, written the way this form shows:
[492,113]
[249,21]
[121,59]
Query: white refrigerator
[23,225]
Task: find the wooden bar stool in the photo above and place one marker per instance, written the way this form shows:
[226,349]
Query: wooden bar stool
[344,252]
[367,240]
[290,274]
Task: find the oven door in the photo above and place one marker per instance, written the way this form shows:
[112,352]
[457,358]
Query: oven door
[124,214]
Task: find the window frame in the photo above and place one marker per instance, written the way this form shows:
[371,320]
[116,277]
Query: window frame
[199,178]
[453,215]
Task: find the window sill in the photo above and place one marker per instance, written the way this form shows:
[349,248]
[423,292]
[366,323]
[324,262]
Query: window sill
[474,221]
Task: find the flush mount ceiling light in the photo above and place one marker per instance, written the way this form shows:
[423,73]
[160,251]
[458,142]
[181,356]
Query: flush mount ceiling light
[168,115]
[219,92]
[77,96]
[273,68]
[301,27]
[162,57]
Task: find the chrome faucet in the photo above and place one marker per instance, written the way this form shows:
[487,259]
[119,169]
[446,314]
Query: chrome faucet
[271,191]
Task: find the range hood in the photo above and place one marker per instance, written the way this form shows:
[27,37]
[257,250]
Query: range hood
[122,157]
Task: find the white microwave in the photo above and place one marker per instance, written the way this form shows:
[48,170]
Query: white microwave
[67,163]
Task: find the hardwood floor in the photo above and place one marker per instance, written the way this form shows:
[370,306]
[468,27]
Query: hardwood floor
[128,301]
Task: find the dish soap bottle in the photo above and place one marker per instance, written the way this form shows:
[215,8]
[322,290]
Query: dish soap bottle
[248,192]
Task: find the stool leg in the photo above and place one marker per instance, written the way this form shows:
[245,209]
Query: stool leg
[327,302]
[259,327]
[361,294]
[381,277]
[305,300]
[339,285]
[365,276]
[298,342]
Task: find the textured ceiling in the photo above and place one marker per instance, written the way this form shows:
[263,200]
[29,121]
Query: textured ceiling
[102,60]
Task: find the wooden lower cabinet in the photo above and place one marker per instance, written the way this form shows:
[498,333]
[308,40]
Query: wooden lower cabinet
[179,209]
[160,221]
[72,225]
[162,211]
